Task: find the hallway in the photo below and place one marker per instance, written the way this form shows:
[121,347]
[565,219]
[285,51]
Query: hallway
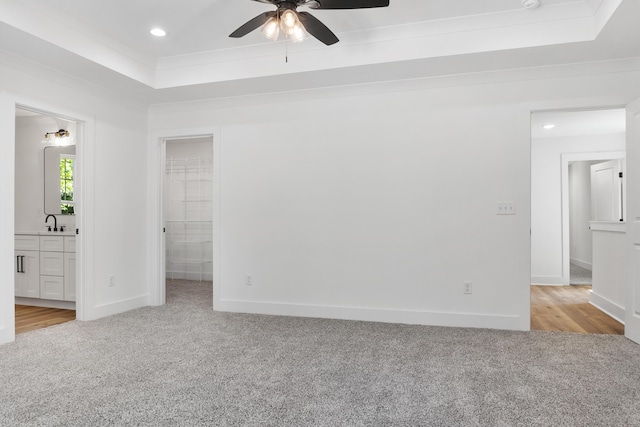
[567,309]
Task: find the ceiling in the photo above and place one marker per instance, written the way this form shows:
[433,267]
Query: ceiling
[204,25]
[578,123]
[108,42]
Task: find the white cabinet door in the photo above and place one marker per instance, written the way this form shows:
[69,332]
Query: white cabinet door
[606,191]
[632,307]
[69,244]
[69,276]
[27,273]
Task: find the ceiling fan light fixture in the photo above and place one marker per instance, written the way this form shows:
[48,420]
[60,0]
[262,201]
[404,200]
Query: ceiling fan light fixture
[299,33]
[271,29]
[297,26]
[288,21]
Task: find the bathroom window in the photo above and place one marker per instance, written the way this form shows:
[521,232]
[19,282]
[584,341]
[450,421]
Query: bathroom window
[67,205]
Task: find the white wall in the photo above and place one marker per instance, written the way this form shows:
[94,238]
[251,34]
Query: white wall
[580,213]
[379,206]
[546,198]
[190,148]
[29,200]
[373,212]
[372,215]
[115,213]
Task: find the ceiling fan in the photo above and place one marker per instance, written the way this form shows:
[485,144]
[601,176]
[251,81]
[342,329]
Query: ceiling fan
[295,25]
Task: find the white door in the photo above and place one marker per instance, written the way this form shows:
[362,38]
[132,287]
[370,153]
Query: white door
[606,191]
[632,310]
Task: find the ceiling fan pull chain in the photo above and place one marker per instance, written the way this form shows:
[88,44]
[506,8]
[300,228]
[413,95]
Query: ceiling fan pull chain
[286,50]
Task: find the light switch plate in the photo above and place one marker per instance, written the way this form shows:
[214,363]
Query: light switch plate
[506,208]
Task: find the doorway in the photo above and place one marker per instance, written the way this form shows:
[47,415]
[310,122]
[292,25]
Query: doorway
[564,146]
[188,220]
[46,204]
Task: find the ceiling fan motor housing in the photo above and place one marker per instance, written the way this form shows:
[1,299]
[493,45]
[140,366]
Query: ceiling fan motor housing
[288,5]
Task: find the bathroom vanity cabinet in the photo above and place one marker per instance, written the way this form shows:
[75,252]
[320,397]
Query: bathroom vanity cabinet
[45,267]
[27,267]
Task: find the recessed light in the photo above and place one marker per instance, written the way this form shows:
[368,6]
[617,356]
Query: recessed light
[158,32]
[549,126]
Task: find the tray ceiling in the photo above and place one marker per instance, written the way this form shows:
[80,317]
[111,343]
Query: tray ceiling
[114,35]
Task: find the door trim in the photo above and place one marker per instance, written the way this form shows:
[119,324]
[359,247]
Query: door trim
[85,140]
[632,319]
[566,159]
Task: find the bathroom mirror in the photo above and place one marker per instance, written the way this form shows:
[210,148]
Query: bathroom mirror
[59,164]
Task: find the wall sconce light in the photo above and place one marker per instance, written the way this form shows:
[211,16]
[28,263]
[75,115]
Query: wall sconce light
[60,137]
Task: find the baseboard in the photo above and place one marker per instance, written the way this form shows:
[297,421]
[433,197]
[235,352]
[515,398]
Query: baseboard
[583,264]
[205,277]
[611,308]
[36,302]
[549,280]
[117,307]
[411,317]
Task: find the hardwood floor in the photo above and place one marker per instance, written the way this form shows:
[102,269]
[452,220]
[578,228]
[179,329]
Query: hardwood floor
[31,318]
[567,309]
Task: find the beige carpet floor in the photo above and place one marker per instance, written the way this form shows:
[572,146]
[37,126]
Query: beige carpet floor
[184,365]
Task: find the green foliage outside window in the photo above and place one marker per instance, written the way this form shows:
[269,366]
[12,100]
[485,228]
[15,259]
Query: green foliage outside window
[66,186]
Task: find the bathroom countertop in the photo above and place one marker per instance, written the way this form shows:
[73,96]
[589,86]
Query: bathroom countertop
[71,232]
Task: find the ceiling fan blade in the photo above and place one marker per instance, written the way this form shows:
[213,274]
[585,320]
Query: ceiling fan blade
[267,1]
[317,29]
[253,24]
[351,4]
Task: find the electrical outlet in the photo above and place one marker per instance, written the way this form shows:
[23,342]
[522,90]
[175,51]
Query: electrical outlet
[468,288]
[111,280]
[506,208]
[249,280]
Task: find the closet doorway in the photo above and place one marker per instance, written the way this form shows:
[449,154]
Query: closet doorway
[188,220]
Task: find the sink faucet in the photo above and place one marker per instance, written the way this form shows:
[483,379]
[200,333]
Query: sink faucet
[55,222]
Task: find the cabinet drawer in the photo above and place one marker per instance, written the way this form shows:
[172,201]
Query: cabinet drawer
[52,243]
[69,244]
[25,242]
[51,287]
[51,264]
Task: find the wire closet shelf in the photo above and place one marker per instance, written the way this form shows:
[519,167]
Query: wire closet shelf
[189,218]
